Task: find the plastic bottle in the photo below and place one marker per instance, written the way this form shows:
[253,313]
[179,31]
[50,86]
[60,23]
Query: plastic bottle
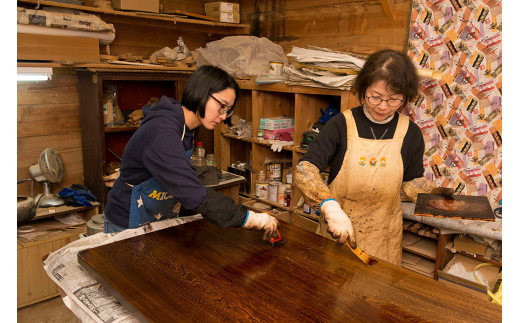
[200,151]
[287,195]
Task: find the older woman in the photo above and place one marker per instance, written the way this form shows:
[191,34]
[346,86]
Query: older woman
[372,150]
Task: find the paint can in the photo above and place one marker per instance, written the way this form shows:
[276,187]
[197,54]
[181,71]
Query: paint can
[274,172]
[281,194]
[275,68]
[261,190]
[272,191]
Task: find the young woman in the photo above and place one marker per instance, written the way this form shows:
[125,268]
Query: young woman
[156,178]
[372,150]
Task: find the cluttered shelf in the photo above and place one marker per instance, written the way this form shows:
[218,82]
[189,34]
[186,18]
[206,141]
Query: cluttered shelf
[263,142]
[42,213]
[141,15]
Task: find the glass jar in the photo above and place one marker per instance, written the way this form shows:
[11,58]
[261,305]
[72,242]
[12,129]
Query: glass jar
[211,160]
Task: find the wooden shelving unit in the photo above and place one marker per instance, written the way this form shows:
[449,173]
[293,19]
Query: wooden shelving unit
[276,100]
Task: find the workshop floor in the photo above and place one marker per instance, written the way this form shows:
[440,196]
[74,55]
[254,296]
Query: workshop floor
[50,311]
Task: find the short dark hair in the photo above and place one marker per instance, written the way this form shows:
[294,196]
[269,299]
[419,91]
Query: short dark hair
[206,80]
[393,67]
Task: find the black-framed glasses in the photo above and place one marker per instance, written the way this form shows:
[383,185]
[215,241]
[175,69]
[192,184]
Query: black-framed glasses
[375,100]
[224,108]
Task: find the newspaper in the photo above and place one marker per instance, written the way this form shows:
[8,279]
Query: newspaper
[86,297]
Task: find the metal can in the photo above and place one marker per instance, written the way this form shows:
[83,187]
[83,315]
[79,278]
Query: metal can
[275,68]
[261,190]
[272,191]
[274,172]
[281,193]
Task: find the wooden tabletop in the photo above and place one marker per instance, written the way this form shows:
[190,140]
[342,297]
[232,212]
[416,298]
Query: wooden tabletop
[200,272]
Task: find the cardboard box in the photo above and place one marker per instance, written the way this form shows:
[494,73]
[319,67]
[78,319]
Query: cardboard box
[212,7]
[274,134]
[465,282]
[136,5]
[276,123]
[57,48]
[225,16]
[467,244]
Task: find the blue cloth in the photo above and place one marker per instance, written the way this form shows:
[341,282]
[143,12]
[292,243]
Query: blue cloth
[81,197]
[328,113]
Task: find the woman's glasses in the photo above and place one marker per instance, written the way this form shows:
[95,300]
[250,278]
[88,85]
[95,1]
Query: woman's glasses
[224,108]
[375,100]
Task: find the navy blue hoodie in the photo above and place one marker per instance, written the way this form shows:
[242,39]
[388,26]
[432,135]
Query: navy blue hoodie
[156,150]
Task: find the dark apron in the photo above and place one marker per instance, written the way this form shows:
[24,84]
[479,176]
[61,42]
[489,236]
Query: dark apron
[150,202]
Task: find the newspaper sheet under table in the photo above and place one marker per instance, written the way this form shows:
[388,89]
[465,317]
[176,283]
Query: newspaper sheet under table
[86,298]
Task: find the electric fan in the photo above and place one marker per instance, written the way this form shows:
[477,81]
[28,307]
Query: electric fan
[49,169]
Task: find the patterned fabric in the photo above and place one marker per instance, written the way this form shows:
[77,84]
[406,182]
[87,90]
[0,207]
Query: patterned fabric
[461,113]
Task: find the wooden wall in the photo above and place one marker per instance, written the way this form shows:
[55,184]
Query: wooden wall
[344,25]
[48,117]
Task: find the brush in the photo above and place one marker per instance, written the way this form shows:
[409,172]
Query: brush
[276,241]
[369,261]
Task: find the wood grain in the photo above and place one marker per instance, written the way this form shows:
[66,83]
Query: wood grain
[200,272]
[473,207]
[346,25]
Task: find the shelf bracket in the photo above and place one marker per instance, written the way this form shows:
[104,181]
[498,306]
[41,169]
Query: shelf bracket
[389,8]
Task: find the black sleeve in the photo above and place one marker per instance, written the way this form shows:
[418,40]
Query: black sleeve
[328,144]
[413,152]
[222,210]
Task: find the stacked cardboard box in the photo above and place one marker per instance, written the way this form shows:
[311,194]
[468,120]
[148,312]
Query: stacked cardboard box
[223,11]
[273,127]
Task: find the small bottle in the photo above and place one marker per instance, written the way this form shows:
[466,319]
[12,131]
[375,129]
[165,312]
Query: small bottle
[200,151]
[287,195]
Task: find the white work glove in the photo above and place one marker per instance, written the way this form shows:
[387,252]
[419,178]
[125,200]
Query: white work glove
[262,221]
[277,145]
[338,223]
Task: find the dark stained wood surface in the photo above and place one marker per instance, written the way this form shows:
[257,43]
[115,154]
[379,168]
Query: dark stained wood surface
[200,272]
[474,207]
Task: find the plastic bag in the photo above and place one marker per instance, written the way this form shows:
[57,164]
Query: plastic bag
[241,56]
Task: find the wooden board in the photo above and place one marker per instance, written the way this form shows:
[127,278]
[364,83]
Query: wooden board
[474,207]
[57,48]
[200,272]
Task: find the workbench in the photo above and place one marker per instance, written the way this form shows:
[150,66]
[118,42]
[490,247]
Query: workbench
[199,272]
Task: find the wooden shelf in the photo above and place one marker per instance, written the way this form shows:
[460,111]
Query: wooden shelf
[103,66]
[120,129]
[299,211]
[142,15]
[283,88]
[42,213]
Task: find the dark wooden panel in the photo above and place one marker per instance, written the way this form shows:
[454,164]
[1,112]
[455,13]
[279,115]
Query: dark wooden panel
[460,207]
[200,272]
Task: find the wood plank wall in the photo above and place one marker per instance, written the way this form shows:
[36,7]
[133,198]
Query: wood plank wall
[345,25]
[48,117]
